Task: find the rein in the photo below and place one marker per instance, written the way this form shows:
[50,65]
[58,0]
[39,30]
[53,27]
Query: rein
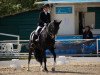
[50,33]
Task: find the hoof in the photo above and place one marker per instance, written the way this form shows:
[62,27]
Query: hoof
[45,70]
[28,69]
[53,69]
[41,68]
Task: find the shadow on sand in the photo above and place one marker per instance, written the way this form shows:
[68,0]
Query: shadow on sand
[70,72]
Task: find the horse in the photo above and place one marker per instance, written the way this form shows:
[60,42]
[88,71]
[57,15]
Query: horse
[46,41]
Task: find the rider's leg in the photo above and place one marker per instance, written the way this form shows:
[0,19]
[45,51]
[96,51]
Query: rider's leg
[37,32]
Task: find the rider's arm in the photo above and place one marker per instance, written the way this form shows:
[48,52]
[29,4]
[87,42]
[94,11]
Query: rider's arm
[49,18]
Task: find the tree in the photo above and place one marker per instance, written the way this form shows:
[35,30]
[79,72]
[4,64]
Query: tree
[8,7]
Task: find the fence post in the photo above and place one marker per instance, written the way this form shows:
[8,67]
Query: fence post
[18,40]
[97,47]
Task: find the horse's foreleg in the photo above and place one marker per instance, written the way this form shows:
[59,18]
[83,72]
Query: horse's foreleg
[41,66]
[29,58]
[54,55]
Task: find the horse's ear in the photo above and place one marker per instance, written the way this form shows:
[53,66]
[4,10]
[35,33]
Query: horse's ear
[57,21]
[60,21]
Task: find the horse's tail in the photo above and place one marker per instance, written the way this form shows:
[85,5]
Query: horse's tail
[30,45]
[30,48]
[29,57]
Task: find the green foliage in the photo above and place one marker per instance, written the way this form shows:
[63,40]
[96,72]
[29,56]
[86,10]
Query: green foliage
[8,7]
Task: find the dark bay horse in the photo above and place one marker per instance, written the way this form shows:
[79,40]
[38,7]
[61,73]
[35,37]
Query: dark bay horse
[46,41]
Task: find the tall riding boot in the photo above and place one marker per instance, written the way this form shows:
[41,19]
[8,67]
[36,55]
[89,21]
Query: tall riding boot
[38,33]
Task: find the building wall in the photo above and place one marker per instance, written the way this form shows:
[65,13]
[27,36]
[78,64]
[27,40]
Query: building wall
[0,21]
[67,27]
[21,24]
[72,26]
[84,8]
[97,15]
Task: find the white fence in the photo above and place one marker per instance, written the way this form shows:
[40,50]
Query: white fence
[7,46]
[11,35]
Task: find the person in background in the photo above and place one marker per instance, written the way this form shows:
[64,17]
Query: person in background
[87,34]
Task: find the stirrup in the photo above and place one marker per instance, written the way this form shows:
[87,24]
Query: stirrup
[37,40]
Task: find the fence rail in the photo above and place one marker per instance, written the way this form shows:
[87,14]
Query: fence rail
[11,35]
[25,55]
[14,55]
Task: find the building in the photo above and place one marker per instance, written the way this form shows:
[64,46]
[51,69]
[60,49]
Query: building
[75,14]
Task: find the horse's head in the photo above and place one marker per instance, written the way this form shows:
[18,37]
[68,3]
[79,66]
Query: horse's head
[54,27]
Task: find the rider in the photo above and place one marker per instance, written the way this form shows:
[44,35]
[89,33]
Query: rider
[44,18]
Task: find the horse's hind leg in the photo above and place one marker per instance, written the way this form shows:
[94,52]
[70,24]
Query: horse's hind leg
[54,55]
[29,58]
[45,67]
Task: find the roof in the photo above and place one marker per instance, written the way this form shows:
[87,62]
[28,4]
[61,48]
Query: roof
[67,1]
